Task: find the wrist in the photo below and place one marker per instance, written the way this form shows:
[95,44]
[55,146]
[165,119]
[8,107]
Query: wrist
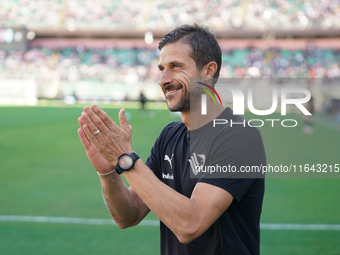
[126,162]
[108,173]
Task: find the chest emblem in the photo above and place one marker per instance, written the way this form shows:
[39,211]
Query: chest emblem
[166,157]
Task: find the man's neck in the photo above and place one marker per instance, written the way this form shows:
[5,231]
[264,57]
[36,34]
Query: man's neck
[194,120]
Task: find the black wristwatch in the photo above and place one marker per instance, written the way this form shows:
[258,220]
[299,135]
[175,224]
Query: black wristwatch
[126,161]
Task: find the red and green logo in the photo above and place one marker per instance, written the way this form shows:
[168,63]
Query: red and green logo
[204,97]
[208,92]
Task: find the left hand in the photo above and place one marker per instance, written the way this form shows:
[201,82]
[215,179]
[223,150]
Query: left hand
[112,141]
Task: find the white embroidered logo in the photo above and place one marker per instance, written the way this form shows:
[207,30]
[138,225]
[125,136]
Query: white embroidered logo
[168,176]
[197,165]
[166,157]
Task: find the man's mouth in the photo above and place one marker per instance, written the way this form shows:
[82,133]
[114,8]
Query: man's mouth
[171,91]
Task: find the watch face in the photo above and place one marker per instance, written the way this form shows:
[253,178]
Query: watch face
[125,162]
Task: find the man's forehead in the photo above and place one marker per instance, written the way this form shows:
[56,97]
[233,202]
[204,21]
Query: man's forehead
[175,51]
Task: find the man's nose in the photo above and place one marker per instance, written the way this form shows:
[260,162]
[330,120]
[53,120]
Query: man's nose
[165,78]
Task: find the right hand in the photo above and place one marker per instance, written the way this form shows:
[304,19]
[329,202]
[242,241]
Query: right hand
[99,163]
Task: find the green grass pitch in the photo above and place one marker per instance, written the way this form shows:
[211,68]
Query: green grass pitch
[45,172]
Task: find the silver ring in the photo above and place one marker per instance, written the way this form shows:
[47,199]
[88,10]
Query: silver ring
[97,132]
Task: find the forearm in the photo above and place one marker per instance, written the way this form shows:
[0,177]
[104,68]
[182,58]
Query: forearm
[124,205]
[175,210]
[186,217]
[120,201]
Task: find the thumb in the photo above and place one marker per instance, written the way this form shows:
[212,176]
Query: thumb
[124,124]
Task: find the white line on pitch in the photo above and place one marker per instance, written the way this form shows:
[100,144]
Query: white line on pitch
[70,220]
[155,223]
[273,226]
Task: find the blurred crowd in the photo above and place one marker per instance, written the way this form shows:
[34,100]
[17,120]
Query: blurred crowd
[74,64]
[130,66]
[161,14]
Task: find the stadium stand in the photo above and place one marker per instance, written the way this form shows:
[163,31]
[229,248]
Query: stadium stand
[81,46]
[160,14]
[115,65]
[101,72]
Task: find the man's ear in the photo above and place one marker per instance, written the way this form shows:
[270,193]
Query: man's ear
[209,70]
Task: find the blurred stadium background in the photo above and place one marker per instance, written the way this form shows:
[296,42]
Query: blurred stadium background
[57,56]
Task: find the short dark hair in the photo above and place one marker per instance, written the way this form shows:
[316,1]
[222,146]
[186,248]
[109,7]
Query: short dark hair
[203,43]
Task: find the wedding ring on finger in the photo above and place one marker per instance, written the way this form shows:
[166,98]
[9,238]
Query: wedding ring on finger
[97,132]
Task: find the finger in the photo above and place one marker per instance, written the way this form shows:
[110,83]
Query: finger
[81,122]
[105,118]
[86,143]
[124,124]
[97,121]
[90,135]
[92,127]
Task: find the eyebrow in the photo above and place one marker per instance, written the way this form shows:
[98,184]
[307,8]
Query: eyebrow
[176,62]
[172,63]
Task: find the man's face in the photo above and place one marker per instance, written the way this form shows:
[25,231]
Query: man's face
[177,68]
